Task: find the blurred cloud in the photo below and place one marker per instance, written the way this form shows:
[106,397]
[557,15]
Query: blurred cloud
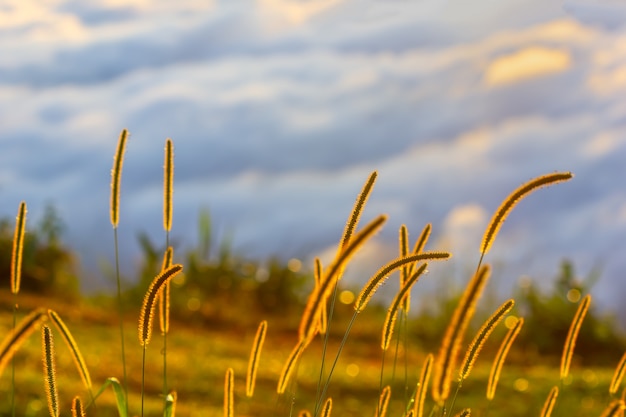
[279,110]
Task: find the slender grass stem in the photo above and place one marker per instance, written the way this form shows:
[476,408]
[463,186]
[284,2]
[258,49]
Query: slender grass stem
[15,307]
[143,376]
[380,383]
[120,309]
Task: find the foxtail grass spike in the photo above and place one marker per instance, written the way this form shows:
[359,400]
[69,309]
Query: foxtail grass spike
[229,384]
[420,393]
[447,357]
[618,375]
[496,368]
[78,410]
[392,312]
[289,366]
[304,413]
[310,316]
[164,294]
[116,176]
[18,248]
[255,355]
[404,252]
[383,401]
[12,342]
[73,347]
[379,278]
[168,185]
[614,409]
[548,406]
[355,215]
[483,333]
[511,201]
[465,413]
[323,319]
[572,335]
[49,371]
[328,406]
[147,309]
[420,243]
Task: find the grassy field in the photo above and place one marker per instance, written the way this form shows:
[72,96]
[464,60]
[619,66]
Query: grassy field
[198,357]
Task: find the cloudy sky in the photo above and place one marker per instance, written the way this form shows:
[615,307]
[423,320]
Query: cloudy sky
[280,109]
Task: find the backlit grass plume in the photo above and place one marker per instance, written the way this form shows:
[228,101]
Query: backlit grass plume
[447,357]
[477,343]
[168,185]
[73,347]
[572,335]
[116,177]
[618,375]
[614,409]
[548,406]
[229,386]
[511,201]
[422,386]
[255,355]
[49,371]
[496,368]
[78,410]
[147,308]
[18,248]
[12,342]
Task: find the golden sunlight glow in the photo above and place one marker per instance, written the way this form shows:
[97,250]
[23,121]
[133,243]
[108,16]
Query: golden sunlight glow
[527,63]
[510,322]
[298,12]
[573,295]
[346,297]
[352,370]
[520,384]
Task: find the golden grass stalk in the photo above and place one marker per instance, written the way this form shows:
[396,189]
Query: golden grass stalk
[289,366]
[614,409]
[404,252]
[316,301]
[168,185]
[511,201]
[383,401]
[451,344]
[328,406]
[323,319]
[18,248]
[116,176]
[304,413]
[420,243]
[483,333]
[164,294]
[465,413]
[255,355]
[78,410]
[49,371]
[496,368]
[229,384]
[572,335]
[546,411]
[618,375]
[355,215]
[392,312]
[12,342]
[422,386]
[73,347]
[147,308]
[379,278]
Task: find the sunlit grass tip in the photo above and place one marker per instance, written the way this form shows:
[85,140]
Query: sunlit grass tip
[383,401]
[328,406]
[168,184]
[164,294]
[116,175]
[392,312]
[447,357]
[511,201]
[357,210]
[255,355]
[18,248]
[548,406]
[12,342]
[618,375]
[614,409]
[229,383]
[422,387]
[572,335]
[479,340]
[73,347]
[496,368]
[289,366]
[310,317]
[78,409]
[381,275]
[147,308]
[49,370]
